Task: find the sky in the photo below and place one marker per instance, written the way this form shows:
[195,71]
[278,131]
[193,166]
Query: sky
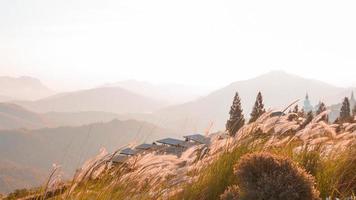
[72,44]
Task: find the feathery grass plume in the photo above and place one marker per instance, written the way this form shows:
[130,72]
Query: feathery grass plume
[267,176]
[205,171]
[231,193]
[90,168]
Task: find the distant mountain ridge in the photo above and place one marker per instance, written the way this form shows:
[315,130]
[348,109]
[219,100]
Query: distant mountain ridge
[37,150]
[13,116]
[106,99]
[278,88]
[169,93]
[22,88]
[106,103]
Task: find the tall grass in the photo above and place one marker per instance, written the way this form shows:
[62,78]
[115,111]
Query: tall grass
[327,152]
[215,178]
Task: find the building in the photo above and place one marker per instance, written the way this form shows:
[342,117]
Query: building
[128,152]
[118,159]
[144,146]
[197,138]
[172,142]
[307,107]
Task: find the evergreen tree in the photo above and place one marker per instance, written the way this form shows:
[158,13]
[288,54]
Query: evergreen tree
[258,109]
[322,108]
[307,120]
[296,109]
[354,111]
[301,113]
[345,113]
[236,120]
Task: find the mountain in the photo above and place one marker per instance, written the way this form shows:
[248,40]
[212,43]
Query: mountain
[169,93]
[14,176]
[22,88]
[5,98]
[106,99]
[80,118]
[68,146]
[13,116]
[278,88]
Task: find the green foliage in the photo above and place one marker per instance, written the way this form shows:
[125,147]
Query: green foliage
[19,193]
[258,109]
[215,178]
[296,109]
[236,120]
[336,177]
[231,193]
[322,108]
[307,120]
[345,113]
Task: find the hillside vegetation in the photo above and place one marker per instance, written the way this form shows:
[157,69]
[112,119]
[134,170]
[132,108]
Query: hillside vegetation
[33,152]
[277,88]
[324,152]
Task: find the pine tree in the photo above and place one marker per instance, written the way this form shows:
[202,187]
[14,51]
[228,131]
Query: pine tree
[354,111]
[236,120]
[301,113]
[322,108]
[296,109]
[307,120]
[345,113]
[258,109]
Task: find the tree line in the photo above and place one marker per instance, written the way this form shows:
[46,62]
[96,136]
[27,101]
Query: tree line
[237,119]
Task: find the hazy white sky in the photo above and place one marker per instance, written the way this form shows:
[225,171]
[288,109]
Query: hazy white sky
[84,43]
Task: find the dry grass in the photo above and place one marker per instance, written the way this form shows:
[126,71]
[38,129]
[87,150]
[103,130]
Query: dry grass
[205,172]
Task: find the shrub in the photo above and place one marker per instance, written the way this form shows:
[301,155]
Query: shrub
[215,178]
[19,193]
[231,193]
[264,176]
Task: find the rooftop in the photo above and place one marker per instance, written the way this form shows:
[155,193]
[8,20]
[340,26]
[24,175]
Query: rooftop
[119,158]
[144,146]
[198,138]
[171,141]
[128,151]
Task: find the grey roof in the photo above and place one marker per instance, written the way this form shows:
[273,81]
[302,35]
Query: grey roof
[128,151]
[198,138]
[144,146]
[277,114]
[119,158]
[171,141]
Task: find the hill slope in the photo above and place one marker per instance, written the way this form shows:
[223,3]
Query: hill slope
[169,93]
[80,118]
[23,88]
[69,146]
[278,89]
[13,116]
[315,155]
[109,99]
